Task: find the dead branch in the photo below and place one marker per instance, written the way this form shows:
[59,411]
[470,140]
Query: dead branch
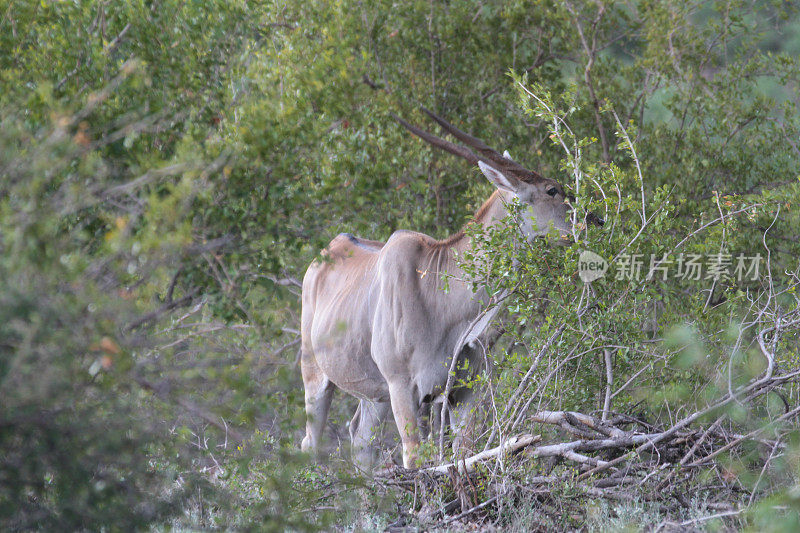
[791,414]
[472,510]
[165,308]
[571,419]
[609,383]
[511,446]
[162,392]
[642,457]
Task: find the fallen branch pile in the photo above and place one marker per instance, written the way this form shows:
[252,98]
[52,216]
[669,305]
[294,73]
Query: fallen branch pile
[637,462]
[674,465]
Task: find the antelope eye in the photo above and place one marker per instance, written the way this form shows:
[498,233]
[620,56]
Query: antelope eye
[552,191]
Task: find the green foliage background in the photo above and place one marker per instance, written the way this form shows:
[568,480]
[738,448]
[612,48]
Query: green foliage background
[168,168]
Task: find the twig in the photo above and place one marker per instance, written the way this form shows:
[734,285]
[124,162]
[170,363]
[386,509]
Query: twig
[609,383]
[162,391]
[153,315]
[466,466]
[794,412]
[113,44]
[591,52]
[711,517]
[688,455]
[472,510]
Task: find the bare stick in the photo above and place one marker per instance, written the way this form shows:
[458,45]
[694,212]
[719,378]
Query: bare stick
[609,383]
[472,510]
[511,446]
[162,391]
[791,414]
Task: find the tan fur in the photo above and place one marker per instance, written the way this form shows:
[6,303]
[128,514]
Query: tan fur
[377,323]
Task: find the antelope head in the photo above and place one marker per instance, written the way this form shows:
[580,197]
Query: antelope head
[545,205]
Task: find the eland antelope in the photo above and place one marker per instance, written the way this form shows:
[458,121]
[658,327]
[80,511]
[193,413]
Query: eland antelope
[376,321]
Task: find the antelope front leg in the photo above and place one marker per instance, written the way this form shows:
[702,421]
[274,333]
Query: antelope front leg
[462,420]
[405,416]
[365,431]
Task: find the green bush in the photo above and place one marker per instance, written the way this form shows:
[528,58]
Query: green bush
[168,169]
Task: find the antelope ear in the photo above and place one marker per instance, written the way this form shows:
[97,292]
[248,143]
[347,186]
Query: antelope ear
[500,180]
[507,155]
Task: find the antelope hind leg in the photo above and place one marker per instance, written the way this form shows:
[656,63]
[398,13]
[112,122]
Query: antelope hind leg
[318,394]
